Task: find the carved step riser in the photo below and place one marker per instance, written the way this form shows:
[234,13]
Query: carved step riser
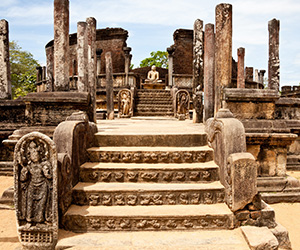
[79,224]
[155,176]
[151,157]
[146,198]
[153,114]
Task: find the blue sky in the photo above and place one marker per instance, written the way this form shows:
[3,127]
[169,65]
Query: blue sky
[151,25]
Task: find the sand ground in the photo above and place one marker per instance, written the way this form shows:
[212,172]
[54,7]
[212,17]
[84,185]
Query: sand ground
[287,214]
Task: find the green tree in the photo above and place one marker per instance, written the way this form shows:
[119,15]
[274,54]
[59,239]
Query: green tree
[23,70]
[157,58]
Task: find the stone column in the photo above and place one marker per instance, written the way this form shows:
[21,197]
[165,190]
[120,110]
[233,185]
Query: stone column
[170,51]
[109,86]
[5,81]
[127,63]
[256,77]
[98,54]
[274,62]
[209,71]
[50,68]
[261,76]
[198,55]
[92,64]
[223,54]
[241,68]
[61,45]
[82,57]
[249,74]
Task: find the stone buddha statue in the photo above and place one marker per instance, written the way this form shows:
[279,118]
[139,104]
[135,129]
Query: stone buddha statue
[153,76]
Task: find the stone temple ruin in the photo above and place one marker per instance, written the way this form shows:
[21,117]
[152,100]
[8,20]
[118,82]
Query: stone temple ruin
[68,175]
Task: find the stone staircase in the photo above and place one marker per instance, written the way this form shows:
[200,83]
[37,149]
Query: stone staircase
[165,186]
[153,102]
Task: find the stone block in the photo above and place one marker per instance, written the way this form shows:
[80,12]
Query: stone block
[259,238]
[282,236]
[243,174]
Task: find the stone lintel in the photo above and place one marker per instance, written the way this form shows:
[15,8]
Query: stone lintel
[254,95]
[271,139]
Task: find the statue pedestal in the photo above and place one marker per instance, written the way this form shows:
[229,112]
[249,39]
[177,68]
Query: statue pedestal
[153,85]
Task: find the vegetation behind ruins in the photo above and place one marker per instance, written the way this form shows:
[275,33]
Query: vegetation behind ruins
[23,70]
[157,58]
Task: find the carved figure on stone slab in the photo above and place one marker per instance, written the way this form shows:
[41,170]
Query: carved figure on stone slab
[182,104]
[35,174]
[36,186]
[153,76]
[125,103]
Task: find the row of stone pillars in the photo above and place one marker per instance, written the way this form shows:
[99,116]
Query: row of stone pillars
[212,59]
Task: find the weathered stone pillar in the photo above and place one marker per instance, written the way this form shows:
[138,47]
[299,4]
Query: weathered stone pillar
[98,54]
[241,68]
[109,86]
[5,81]
[170,51]
[261,76]
[198,55]
[82,57]
[249,74]
[256,77]
[92,64]
[209,71]
[127,63]
[223,48]
[50,68]
[274,62]
[39,72]
[61,45]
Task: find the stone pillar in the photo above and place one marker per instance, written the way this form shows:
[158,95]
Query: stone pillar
[127,63]
[98,54]
[241,68]
[209,71]
[274,62]
[5,81]
[61,45]
[256,77]
[82,57]
[261,76]
[44,73]
[39,72]
[249,74]
[198,55]
[92,64]
[223,54]
[170,51]
[109,86]
[50,68]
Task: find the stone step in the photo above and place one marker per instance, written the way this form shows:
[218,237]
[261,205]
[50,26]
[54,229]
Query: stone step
[153,113]
[147,218]
[277,197]
[144,194]
[157,173]
[156,106]
[153,101]
[153,109]
[6,168]
[150,154]
[153,240]
[271,184]
[150,140]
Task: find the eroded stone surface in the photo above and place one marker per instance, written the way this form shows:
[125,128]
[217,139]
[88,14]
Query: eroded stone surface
[35,164]
[5,83]
[109,87]
[282,236]
[209,71]
[241,66]
[61,45]
[82,57]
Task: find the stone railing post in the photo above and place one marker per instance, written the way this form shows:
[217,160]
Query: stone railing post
[238,173]
[241,68]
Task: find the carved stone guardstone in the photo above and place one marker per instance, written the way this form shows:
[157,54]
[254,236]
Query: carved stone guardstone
[35,174]
[182,104]
[125,102]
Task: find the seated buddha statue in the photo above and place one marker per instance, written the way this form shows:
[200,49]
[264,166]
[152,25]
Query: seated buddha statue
[153,76]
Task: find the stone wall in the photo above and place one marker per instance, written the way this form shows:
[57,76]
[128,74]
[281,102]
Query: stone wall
[183,54]
[109,39]
[12,111]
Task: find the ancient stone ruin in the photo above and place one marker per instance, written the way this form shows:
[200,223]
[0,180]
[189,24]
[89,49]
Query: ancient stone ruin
[72,167]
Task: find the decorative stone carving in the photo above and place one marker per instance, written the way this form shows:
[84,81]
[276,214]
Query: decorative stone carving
[125,101]
[35,173]
[182,99]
